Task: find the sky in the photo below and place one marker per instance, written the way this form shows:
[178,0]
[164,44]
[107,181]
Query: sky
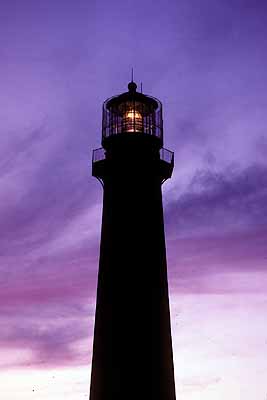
[206,61]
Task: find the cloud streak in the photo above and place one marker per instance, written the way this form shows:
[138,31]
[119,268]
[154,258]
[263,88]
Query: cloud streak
[220,202]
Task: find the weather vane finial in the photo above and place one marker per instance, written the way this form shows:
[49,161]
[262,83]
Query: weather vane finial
[132,85]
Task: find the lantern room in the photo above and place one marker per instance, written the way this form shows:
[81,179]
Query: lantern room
[132,113]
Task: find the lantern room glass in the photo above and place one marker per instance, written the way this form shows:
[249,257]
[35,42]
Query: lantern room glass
[132,114]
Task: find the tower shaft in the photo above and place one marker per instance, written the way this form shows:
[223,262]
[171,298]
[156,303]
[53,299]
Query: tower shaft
[132,352]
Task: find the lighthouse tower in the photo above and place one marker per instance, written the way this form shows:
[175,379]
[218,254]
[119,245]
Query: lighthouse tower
[132,350]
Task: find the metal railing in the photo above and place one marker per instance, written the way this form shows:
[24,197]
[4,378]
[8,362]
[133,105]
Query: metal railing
[99,154]
[167,156]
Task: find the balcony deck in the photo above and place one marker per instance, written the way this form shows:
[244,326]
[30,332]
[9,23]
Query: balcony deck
[166,163]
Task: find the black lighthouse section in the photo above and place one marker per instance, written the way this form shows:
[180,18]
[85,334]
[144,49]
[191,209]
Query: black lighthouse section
[132,351]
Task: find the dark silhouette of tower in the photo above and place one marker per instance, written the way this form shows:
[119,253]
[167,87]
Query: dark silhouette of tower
[132,351]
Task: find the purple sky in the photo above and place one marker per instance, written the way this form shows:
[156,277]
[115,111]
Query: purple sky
[206,61]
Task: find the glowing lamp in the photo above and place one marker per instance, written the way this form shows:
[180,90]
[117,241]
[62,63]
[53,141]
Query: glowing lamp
[132,121]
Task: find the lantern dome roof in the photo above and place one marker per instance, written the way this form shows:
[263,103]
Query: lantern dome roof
[132,95]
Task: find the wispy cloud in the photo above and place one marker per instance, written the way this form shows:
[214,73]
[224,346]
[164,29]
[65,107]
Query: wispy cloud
[217,202]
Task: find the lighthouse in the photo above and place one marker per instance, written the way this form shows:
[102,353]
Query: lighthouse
[132,348]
